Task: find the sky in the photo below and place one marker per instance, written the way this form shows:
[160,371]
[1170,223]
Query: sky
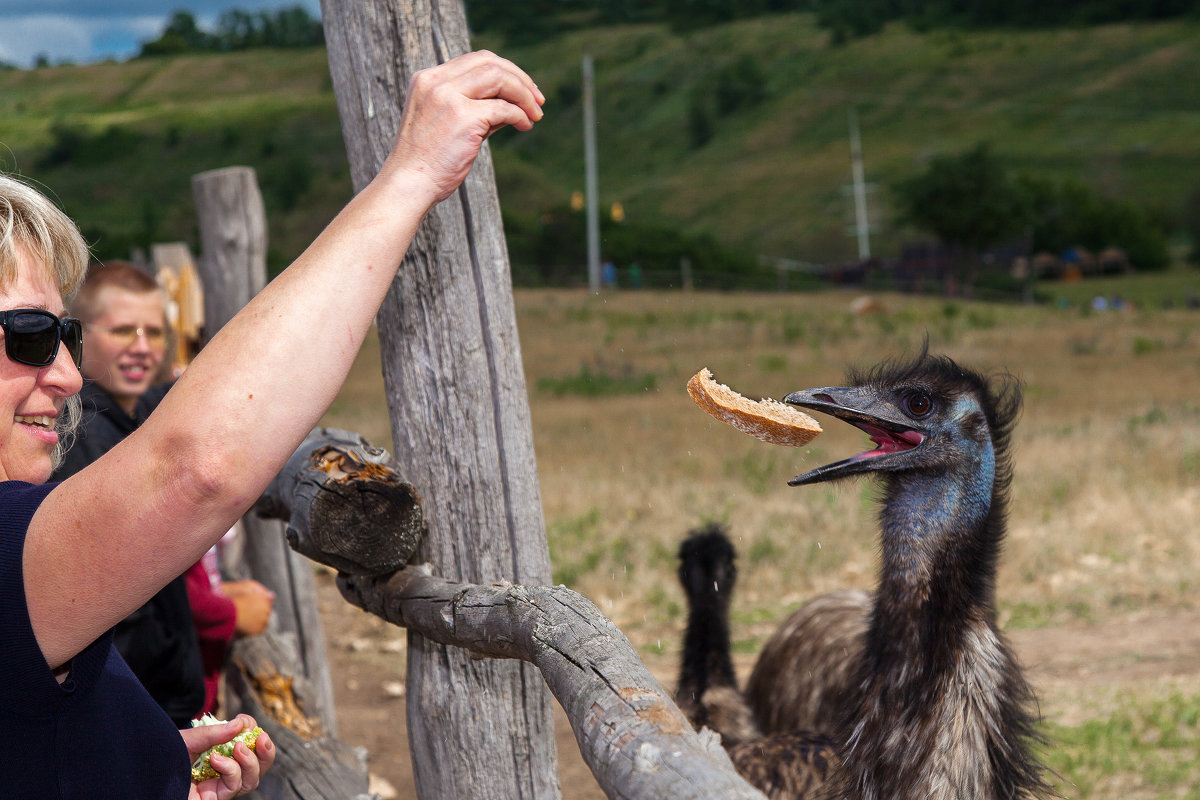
[81,31]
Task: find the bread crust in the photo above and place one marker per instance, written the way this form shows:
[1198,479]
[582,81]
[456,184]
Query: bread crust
[767,420]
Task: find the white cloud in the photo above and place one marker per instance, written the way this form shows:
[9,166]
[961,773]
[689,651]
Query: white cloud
[73,38]
[91,30]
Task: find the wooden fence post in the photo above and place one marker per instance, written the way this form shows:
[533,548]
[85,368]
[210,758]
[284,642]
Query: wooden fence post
[459,412]
[233,236]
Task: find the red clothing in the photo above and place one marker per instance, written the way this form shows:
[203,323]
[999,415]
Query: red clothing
[216,619]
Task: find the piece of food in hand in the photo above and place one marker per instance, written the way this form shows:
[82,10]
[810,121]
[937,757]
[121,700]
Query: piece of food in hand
[768,420]
[201,769]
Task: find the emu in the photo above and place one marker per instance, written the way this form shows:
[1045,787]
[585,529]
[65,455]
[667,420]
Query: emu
[915,686]
[784,765]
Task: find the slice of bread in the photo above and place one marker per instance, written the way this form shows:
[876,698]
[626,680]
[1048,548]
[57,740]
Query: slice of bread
[768,420]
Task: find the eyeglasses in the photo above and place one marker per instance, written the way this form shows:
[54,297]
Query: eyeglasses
[32,336]
[128,334]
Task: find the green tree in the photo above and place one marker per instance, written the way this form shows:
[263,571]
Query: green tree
[236,29]
[1072,213]
[742,84]
[969,201]
[181,35]
[700,118]
[1191,224]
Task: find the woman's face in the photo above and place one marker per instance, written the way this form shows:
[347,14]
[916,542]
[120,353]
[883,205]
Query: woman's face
[32,397]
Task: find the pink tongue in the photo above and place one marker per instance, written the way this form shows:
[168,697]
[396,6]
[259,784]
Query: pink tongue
[888,442]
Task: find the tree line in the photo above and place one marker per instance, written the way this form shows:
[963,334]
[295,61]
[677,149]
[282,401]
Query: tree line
[237,30]
[532,20]
[972,201]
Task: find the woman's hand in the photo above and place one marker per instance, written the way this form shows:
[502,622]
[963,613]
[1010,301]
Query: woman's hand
[451,109]
[240,774]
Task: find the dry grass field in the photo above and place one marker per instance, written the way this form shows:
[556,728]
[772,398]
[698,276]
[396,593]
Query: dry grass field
[1103,542]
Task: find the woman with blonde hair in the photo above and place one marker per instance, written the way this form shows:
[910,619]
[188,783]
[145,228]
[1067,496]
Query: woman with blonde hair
[78,556]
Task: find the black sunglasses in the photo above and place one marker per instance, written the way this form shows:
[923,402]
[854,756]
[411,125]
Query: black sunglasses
[32,336]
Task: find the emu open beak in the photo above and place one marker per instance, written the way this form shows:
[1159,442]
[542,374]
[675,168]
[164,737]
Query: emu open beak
[890,430]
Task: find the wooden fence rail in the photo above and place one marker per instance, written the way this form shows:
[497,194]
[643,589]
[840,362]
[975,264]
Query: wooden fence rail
[631,734]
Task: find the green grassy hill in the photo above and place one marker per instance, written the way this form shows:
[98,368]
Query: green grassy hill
[738,131]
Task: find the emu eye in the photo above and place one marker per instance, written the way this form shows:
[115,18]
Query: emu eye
[918,404]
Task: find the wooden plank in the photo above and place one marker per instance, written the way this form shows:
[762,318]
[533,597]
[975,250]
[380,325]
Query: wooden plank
[232,224]
[459,412]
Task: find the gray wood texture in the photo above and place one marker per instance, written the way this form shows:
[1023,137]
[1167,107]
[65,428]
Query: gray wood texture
[459,411]
[634,738]
[309,763]
[345,505]
[233,241]
[232,224]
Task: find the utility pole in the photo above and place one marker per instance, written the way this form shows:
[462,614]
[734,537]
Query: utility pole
[590,180]
[861,223]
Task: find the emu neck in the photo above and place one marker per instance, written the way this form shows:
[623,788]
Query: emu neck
[940,713]
[706,647]
[940,536]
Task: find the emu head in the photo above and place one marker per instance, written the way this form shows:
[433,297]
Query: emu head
[926,415]
[706,562]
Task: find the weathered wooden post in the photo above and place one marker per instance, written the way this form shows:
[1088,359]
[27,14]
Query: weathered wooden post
[459,412]
[233,237]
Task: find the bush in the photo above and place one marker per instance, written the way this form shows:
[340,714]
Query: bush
[552,250]
[70,144]
[1191,224]
[1072,213]
[742,84]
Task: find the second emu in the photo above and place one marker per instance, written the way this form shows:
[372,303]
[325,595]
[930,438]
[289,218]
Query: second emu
[915,687]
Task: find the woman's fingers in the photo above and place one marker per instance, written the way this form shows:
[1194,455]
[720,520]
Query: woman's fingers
[487,80]
[483,60]
[452,109]
[229,781]
[202,737]
[240,774]
[500,78]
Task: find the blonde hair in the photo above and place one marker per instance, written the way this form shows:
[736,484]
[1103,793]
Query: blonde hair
[29,221]
[66,425]
[31,224]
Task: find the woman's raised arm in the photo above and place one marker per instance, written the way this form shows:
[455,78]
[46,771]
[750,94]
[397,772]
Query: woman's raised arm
[109,537]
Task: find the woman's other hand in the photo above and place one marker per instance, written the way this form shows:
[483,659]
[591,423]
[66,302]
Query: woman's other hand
[239,775]
[451,109]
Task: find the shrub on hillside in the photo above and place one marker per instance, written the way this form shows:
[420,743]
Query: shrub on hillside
[75,145]
[1071,213]
[1191,224]
[972,201]
[551,250]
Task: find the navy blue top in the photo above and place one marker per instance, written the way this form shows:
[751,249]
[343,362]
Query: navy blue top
[97,734]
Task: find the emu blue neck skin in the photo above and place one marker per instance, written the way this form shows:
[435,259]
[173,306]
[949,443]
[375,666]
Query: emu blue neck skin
[940,534]
[923,513]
